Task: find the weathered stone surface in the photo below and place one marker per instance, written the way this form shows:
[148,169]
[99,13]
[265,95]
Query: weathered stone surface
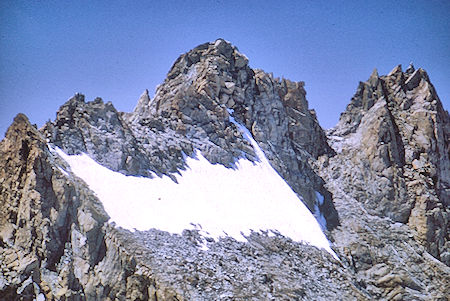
[97,129]
[393,154]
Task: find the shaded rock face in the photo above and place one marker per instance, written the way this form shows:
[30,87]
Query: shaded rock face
[43,216]
[96,128]
[393,154]
[383,172]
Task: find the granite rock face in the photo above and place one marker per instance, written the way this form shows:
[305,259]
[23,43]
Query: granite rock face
[96,128]
[383,172]
[393,154]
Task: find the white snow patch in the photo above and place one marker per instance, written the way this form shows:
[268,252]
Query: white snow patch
[319,198]
[40,297]
[317,213]
[223,201]
[337,138]
[320,218]
[63,171]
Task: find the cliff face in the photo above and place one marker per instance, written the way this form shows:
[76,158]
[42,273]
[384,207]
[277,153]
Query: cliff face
[393,153]
[50,222]
[383,172]
[390,184]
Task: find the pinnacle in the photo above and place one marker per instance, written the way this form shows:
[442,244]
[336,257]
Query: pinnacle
[145,95]
[77,97]
[410,68]
[219,47]
[21,118]
[374,73]
[373,79]
[21,127]
[143,102]
[217,50]
[396,70]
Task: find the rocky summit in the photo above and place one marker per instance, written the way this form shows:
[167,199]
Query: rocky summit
[378,183]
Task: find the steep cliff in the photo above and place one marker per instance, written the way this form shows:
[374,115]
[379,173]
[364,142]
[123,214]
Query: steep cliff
[393,151]
[390,184]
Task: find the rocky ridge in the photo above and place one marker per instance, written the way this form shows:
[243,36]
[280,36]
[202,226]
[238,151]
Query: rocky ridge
[383,174]
[390,184]
[395,135]
[190,111]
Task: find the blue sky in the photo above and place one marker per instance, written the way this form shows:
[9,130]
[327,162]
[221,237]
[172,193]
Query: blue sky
[49,50]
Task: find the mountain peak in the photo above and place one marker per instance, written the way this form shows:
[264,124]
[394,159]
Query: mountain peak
[212,50]
[396,70]
[222,147]
[193,107]
[20,128]
[410,68]
[20,121]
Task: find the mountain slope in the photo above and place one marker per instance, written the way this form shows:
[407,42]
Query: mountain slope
[379,180]
[56,244]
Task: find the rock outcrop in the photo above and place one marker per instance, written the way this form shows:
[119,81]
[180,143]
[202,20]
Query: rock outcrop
[390,184]
[383,172]
[393,154]
[50,222]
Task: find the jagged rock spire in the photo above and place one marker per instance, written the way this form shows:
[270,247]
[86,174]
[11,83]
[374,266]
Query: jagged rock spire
[404,138]
[143,105]
[396,70]
[373,80]
[410,68]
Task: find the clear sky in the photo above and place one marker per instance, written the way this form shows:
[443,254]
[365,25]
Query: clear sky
[49,50]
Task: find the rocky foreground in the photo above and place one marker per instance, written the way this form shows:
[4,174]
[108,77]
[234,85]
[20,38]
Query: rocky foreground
[384,172]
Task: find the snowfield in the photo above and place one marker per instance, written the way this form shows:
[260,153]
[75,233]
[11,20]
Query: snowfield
[218,200]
